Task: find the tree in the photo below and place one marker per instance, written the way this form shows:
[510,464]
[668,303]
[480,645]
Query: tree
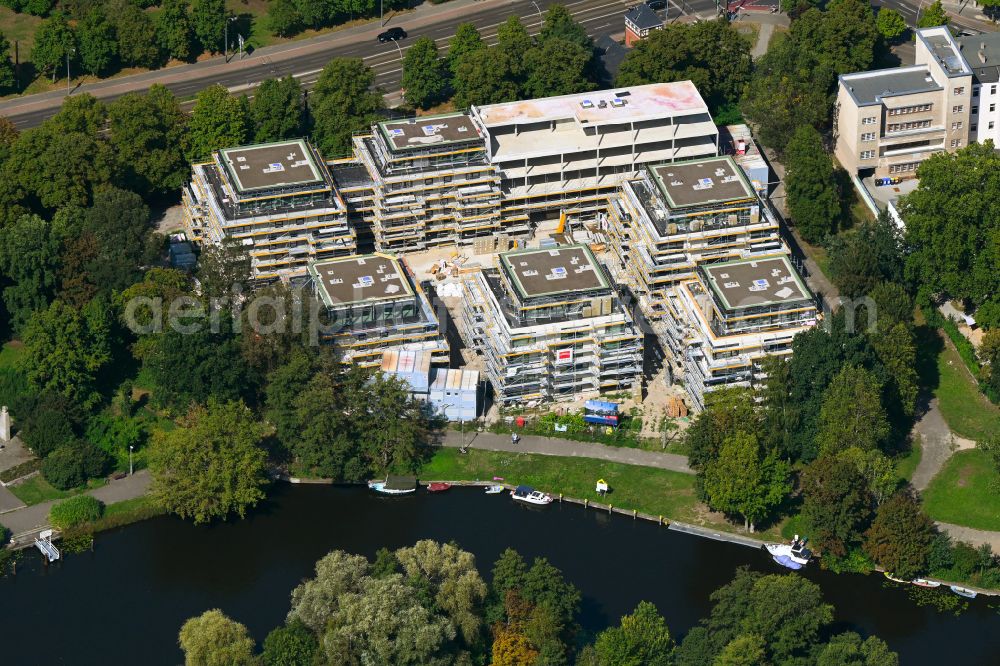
[98,42]
[66,348]
[836,504]
[218,120]
[290,645]
[951,230]
[746,481]
[284,18]
[148,134]
[744,650]
[29,258]
[343,103]
[989,352]
[284,385]
[119,223]
[466,40]
[208,19]
[559,24]
[483,76]
[223,268]
[893,306]
[867,256]
[8,77]
[276,110]
[844,37]
[813,200]
[395,432]
[456,587]
[48,424]
[877,470]
[513,42]
[213,465]
[711,54]
[137,38]
[315,600]
[934,15]
[898,353]
[727,412]
[54,41]
[558,67]
[852,412]
[173,30]
[642,639]
[900,538]
[890,24]
[212,639]
[848,649]
[425,74]
[779,416]
[72,463]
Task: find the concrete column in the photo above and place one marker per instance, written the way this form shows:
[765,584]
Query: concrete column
[4,424]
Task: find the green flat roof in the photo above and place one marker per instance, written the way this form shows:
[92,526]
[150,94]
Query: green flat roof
[557,270]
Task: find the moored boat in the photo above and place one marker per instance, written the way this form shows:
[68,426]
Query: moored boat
[438,487]
[395,485]
[529,495]
[923,582]
[893,578]
[963,591]
[494,490]
[792,556]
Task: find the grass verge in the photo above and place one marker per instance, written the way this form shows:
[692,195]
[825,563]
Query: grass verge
[906,465]
[968,413]
[10,353]
[37,490]
[653,491]
[961,492]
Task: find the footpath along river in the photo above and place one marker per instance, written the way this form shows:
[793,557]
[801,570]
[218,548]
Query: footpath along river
[124,603]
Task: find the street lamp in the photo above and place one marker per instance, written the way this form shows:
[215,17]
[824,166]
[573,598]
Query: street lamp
[225,53]
[68,52]
[130,447]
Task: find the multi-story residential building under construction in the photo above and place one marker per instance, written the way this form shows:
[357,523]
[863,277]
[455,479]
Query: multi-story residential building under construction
[277,200]
[724,320]
[550,326]
[676,216]
[373,304]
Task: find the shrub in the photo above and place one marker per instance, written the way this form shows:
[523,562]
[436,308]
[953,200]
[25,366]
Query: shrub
[75,510]
[17,471]
[72,464]
[47,427]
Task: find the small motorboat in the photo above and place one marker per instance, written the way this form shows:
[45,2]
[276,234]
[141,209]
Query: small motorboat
[438,487]
[923,582]
[395,485]
[792,556]
[893,578]
[529,495]
[494,490]
[963,591]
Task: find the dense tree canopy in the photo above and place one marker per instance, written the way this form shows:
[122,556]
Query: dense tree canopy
[746,480]
[29,257]
[953,225]
[98,42]
[425,74]
[900,538]
[218,120]
[276,110]
[211,466]
[8,78]
[813,196]
[836,505]
[212,639]
[174,31]
[54,41]
[148,132]
[862,258]
[641,639]
[343,102]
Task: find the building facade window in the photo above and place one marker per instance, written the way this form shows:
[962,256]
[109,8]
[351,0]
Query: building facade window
[990,126]
[975,110]
[916,108]
[960,90]
[867,154]
[993,89]
[868,136]
[956,126]
[903,168]
[870,120]
[955,143]
[993,107]
[973,128]
[903,127]
[959,108]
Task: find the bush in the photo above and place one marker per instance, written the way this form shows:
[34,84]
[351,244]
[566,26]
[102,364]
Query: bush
[72,464]
[17,471]
[75,510]
[47,427]
[114,435]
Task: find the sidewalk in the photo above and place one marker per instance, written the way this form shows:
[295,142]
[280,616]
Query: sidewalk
[37,516]
[550,446]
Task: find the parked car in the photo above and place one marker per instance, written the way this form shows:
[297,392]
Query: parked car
[656,5]
[392,35]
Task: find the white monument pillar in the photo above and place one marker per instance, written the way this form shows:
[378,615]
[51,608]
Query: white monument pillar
[4,424]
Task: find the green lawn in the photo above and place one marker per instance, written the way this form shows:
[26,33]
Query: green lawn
[37,490]
[10,353]
[968,413]
[907,464]
[19,28]
[961,492]
[653,491]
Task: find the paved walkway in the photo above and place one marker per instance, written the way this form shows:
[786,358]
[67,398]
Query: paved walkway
[937,443]
[973,536]
[37,515]
[550,446]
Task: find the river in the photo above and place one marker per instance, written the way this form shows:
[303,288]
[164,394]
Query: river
[124,603]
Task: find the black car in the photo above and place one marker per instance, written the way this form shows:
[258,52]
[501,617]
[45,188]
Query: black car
[392,35]
[656,5]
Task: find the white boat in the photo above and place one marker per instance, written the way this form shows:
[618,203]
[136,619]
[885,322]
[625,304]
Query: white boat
[923,582]
[793,556]
[395,485]
[494,490]
[963,591]
[529,495]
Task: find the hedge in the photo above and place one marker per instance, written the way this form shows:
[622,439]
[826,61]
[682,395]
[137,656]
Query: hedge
[75,510]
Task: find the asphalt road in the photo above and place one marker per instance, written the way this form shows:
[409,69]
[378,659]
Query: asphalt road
[305,59]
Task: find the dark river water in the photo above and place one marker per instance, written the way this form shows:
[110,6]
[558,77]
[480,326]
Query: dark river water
[124,603]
